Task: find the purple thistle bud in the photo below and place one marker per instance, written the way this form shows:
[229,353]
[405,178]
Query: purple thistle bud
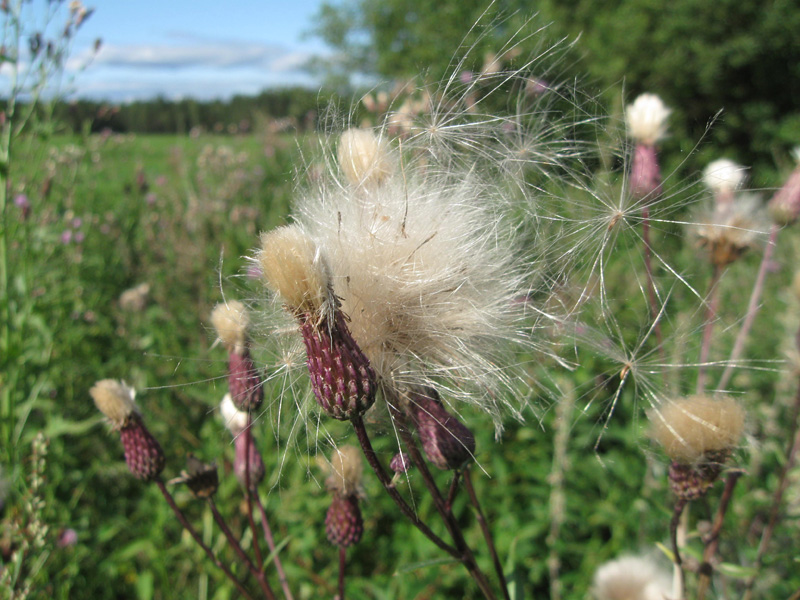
[344,525]
[143,453]
[66,237]
[68,537]
[21,202]
[645,178]
[341,376]
[447,442]
[400,463]
[240,462]
[784,207]
[244,381]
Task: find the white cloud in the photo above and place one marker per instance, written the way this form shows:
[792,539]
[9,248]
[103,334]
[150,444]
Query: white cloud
[143,56]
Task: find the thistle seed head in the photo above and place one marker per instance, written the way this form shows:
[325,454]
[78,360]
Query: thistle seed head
[235,419]
[447,442]
[784,207]
[346,471]
[293,268]
[143,453]
[730,230]
[365,159]
[631,578]
[697,428]
[115,399]
[724,177]
[231,321]
[344,524]
[647,119]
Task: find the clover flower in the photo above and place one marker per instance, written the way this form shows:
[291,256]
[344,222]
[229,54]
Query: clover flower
[410,282]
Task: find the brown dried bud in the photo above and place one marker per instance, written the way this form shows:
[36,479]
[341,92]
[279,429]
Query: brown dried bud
[143,453]
[692,481]
[447,442]
[200,477]
[243,461]
[244,381]
[341,376]
[344,525]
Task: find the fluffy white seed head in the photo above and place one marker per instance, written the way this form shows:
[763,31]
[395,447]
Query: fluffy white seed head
[346,471]
[689,428]
[724,175]
[294,269]
[631,578]
[731,228]
[235,420]
[365,159]
[115,399]
[231,321]
[647,119]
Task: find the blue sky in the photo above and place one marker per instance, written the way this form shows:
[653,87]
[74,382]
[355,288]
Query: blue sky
[199,48]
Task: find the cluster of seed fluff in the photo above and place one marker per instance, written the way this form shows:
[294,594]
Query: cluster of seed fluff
[631,578]
[421,262]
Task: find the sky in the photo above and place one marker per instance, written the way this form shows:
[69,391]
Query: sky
[190,48]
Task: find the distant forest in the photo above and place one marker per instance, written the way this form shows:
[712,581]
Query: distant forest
[295,108]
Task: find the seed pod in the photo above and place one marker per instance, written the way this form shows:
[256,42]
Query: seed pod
[447,442]
[344,525]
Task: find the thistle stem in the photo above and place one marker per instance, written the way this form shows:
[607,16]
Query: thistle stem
[465,554]
[380,473]
[712,542]
[196,536]
[287,592]
[249,492]
[678,582]
[708,328]
[487,534]
[451,495]
[651,285]
[342,564]
[257,572]
[752,307]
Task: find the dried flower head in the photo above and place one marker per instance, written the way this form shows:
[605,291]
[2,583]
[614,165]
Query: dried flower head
[346,470]
[143,453]
[201,478]
[690,428]
[365,159]
[647,119]
[631,578]
[115,399]
[731,229]
[447,442]
[724,176]
[231,321]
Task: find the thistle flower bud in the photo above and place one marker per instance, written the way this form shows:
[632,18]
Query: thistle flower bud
[784,207]
[647,119]
[244,460]
[698,433]
[447,442]
[143,454]
[200,477]
[345,471]
[231,322]
[235,419]
[344,524]
[645,178]
[364,157]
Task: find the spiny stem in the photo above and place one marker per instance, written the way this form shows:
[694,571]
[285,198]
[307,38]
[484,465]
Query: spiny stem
[196,536]
[372,460]
[752,308]
[712,542]
[287,592]
[487,534]
[708,329]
